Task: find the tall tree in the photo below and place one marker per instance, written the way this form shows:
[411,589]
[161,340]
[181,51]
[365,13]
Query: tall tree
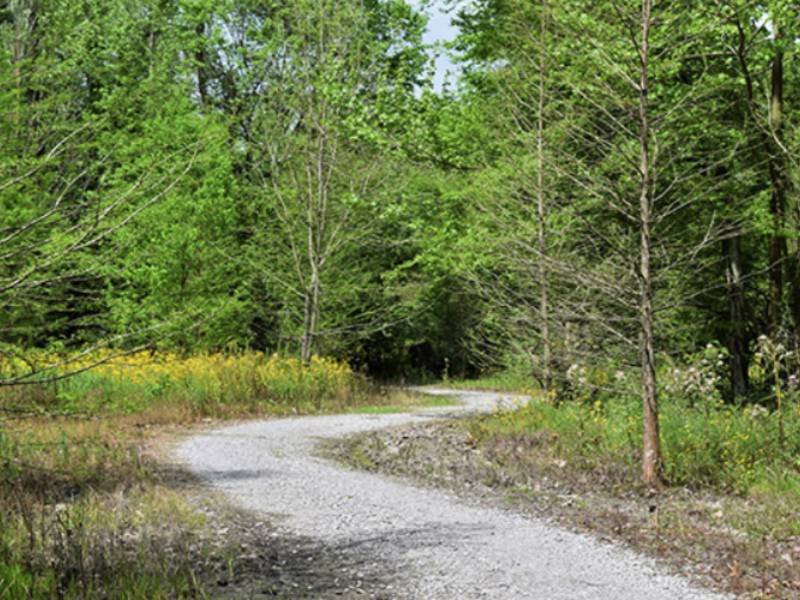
[340,90]
[651,461]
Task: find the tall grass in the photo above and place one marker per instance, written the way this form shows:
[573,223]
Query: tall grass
[208,385]
[716,445]
[82,512]
[82,515]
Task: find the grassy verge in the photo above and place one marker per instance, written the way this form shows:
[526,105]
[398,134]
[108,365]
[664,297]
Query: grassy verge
[83,514]
[85,511]
[402,401]
[718,447]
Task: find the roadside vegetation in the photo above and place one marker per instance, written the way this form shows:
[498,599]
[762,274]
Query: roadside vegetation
[87,510]
[600,205]
[726,516]
[170,387]
[748,448]
[727,512]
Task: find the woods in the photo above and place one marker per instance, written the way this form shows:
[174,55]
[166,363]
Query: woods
[605,192]
[229,209]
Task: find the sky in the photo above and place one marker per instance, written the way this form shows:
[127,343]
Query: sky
[440,29]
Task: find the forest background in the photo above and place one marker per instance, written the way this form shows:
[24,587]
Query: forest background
[602,204]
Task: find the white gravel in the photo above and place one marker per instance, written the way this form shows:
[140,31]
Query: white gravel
[438,547]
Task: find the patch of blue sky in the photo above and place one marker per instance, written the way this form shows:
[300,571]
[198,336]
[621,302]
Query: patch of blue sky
[440,31]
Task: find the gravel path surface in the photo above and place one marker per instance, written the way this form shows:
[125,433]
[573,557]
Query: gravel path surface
[424,543]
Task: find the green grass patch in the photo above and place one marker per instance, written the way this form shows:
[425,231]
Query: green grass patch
[715,446]
[405,402]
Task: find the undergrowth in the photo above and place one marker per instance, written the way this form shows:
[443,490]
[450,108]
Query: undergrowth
[595,418]
[84,513]
[719,446]
[209,385]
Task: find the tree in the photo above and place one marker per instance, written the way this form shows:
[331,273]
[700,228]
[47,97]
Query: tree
[628,171]
[325,138]
[79,166]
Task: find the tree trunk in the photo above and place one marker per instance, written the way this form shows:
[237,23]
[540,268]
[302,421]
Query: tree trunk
[778,177]
[201,60]
[316,221]
[24,47]
[544,307]
[651,458]
[310,317]
[737,342]
[792,276]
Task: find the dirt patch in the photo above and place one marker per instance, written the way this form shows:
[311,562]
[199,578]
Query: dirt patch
[720,541]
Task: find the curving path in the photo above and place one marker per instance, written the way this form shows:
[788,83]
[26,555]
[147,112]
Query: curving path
[422,543]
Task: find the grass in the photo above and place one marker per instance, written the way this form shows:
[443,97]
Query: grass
[84,512]
[404,401]
[187,388]
[721,446]
[511,381]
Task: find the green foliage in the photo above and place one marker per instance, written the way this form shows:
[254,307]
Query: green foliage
[706,443]
[213,176]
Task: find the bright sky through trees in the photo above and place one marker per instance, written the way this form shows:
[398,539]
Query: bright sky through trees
[440,29]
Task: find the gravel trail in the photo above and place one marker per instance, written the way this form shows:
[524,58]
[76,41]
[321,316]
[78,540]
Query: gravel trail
[427,544]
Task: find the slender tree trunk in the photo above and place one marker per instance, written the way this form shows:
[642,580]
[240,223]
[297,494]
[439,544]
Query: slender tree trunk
[651,459]
[731,250]
[793,277]
[307,340]
[737,343]
[310,317]
[544,307]
[24,47]
[201,59]
[16,57]
[778,177]
[316,215]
